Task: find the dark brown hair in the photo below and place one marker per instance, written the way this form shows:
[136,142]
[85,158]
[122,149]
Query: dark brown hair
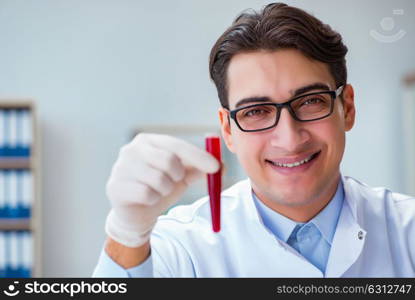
[277,26]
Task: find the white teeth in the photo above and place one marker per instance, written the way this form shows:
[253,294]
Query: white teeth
[295,164]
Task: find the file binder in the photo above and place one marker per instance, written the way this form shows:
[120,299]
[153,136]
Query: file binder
[16,192]
[15,132]
[6,133]
[16,258]
[2,195]
[26,132]
[12,134]
[27,194]
[2,255]
[27,254]
[2,133]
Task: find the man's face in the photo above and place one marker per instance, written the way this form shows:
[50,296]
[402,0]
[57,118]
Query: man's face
[278,75]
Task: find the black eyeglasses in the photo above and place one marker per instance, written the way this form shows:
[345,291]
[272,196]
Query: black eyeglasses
[304,108]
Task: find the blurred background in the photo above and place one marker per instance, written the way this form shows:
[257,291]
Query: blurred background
[97,71]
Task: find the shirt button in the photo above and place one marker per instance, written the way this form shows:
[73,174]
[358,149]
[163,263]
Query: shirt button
[360,235]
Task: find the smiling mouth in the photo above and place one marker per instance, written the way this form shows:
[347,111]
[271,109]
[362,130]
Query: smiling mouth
[294,164]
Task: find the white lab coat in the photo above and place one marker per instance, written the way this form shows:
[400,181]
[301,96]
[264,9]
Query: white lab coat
[375,237]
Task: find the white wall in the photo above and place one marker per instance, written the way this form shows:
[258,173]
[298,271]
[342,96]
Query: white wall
[97,69]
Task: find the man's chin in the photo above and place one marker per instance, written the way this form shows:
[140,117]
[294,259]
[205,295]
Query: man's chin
[293,197]
[292,185]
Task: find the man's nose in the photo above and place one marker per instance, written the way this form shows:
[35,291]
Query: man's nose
[289,134]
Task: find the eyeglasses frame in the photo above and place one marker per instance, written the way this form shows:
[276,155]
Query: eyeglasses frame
[334,94]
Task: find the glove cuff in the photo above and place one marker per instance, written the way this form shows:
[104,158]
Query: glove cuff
[116,230]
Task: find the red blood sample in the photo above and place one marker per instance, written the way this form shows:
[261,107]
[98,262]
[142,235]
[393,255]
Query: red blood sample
[214,181]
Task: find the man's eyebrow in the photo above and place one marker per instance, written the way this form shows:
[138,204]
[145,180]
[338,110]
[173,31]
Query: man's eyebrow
[251,100]
[294,93]
[310,87]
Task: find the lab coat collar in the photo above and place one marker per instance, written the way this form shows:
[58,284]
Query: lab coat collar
[254,221]
[349,237]
[256,228]
[325,220]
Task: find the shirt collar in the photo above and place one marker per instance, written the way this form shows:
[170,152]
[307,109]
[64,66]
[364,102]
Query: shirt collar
[278,224]
[325,221]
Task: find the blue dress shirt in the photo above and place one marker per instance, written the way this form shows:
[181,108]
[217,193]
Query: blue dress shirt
[312,239]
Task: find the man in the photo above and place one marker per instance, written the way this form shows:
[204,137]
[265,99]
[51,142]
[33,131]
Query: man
[286,105]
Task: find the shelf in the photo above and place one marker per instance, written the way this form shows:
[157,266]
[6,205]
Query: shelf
[15,163]
[9,104]
[10,228]
[15,224]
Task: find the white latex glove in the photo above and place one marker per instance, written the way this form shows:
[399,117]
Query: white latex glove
[149,176]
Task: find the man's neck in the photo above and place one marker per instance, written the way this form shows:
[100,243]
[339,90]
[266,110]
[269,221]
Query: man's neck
[303,213]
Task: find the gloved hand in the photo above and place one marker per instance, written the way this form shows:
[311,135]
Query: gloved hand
[149,176]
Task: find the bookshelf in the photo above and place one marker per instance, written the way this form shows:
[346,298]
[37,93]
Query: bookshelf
[20,220]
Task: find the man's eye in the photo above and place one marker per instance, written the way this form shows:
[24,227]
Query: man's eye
[312,101]
[255,112]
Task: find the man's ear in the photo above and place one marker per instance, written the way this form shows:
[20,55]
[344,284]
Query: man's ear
[224,118]
[348,107]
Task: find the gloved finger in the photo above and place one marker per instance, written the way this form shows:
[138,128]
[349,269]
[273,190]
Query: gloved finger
[163,160]
[193,174]
[122,193]
[140,171]
[189,154]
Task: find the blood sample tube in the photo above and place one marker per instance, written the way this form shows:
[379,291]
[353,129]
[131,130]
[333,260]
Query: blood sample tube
[214,181]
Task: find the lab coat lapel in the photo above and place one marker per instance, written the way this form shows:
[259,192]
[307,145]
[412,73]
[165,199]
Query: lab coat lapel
[349,237]
[279,259]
